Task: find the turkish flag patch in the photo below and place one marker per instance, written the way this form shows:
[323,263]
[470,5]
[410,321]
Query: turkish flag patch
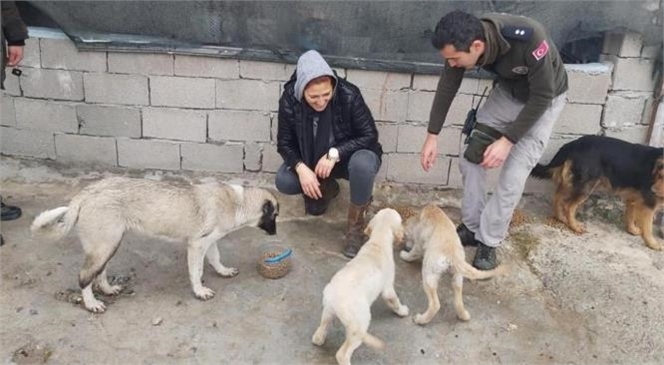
[541,51]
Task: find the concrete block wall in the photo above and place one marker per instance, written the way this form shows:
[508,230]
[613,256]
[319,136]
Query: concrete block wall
[177,112]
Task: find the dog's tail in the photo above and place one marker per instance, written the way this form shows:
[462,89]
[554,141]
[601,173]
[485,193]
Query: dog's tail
[373,341]
[56,223]
[546,171]
[468,271]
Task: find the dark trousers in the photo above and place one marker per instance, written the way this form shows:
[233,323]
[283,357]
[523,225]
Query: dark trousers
[360,170]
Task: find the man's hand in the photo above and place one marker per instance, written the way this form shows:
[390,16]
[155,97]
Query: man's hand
[308,182]
[429,151]
[324,167]
[15,55]
[496,153]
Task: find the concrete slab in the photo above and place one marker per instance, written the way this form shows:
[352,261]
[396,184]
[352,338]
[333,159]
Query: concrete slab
[590,299]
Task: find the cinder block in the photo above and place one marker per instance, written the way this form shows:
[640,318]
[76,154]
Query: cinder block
[455,180]
[406,168]
[425,82]
[274,126]
[252,156]
[623,44]
[63,54]
[265,70]
[420,103]
[45,115]
[30,143]
[248,95]
[12,86]
[8,114]
[387,136]
[633,74]
[378,80]
[544,188]
[114,121]
[211,157]
[31,54]
[652,52]
[148,154]
[648,111]
[177,124]
[381,176]
[586,85]
[553,146]
[633,134]
[182,92]
[52,84]
[411,139]
[86,149]
[579,119]
[233,125]
[140,63]
[197,66]
[271,158]
[624,108]
[387,106]
[116,89]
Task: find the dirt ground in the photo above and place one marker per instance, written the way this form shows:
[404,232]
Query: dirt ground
[596,298]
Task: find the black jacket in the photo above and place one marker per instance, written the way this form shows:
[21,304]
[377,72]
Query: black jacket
[352,124]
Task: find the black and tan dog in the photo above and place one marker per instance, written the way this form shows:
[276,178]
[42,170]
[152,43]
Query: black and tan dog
[634,172]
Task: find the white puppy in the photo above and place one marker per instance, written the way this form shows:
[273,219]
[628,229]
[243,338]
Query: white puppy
[356,286]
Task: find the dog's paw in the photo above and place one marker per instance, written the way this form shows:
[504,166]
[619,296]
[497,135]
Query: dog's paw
[420,319]
[96,306]
[402,311]
[318,339]
[464,316]
[405,255]
[204,293]
[654,245]
[634,231]
[228,272]
[111,290]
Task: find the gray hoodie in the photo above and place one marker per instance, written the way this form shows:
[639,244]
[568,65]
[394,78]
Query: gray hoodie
[310,66]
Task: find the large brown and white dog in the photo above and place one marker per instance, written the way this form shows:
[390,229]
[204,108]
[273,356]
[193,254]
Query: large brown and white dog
[356,286]
[435,240]
[197,214]
[633,171]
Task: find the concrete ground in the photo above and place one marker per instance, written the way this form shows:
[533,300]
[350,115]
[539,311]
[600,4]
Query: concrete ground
[590,299]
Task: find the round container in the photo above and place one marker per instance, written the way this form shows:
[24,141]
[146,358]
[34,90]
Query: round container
[275,260]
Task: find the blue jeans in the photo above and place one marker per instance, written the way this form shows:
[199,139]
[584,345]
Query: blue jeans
[360,170]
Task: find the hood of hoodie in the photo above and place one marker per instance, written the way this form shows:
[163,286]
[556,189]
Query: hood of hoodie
[310,65]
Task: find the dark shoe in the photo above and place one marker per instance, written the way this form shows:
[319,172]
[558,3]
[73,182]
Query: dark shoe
[485,257]
[330,189]
[355,230]
[2,241]
[466,235]
[10,213]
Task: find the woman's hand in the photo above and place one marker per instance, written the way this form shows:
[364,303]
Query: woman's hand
[308,181]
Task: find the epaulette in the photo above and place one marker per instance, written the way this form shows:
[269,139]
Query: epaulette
[517,33]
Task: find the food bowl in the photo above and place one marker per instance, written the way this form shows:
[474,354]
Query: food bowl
[275,260]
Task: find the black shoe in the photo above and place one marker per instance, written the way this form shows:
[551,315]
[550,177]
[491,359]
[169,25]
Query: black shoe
[10,213]
[466,235]
[330,189]
[485,257]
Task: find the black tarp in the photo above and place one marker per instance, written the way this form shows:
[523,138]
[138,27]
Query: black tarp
[388,35]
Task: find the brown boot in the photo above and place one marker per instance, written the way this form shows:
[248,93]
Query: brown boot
[355,232]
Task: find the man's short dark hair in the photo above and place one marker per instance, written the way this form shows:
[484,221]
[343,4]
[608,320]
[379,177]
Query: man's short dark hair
[459,29]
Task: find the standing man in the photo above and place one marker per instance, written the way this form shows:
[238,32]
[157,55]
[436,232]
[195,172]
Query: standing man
[14,34]
[513,126]
[326,132]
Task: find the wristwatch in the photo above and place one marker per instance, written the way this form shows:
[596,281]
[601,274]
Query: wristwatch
[333,154]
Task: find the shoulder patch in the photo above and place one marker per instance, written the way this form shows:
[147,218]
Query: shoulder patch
[541,50]
[517,33]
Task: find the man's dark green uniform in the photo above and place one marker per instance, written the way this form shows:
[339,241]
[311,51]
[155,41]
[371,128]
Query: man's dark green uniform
[526,64]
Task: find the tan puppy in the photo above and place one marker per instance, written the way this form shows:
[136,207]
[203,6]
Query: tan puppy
[196,214]
[434,237]
[356,286]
